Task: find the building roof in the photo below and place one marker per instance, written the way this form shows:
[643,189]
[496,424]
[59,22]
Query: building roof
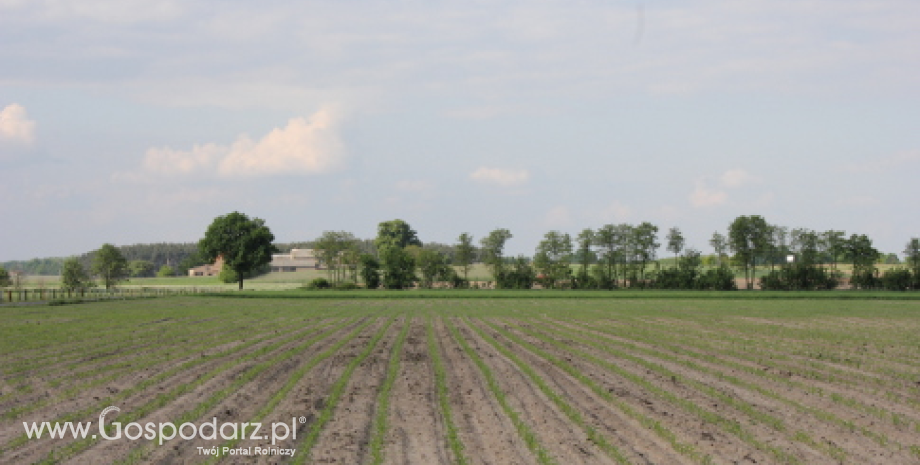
[285,260]
[302,253]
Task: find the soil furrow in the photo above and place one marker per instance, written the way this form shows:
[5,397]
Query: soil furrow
[639,443]
[346,437]
[565,442]
[713,440]
[486,432]
[241,405]
[149,396]
[113,389]
[417,434]
[796,422]
[809,392]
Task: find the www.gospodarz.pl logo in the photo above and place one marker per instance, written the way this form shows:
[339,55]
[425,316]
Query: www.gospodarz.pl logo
[163,432]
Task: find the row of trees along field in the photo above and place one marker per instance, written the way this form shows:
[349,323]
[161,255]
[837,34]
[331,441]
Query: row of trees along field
[612,256]
[108,265]
[622,255]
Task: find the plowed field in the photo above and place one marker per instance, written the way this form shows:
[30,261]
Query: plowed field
[499,381]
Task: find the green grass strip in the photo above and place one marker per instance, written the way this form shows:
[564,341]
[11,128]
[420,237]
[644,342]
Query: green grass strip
[523,429]
[440,380]
[565,294]
[338,389]
[574,415]
[379,429]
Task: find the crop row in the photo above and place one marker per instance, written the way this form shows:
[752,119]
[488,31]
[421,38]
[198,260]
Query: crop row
[594,384]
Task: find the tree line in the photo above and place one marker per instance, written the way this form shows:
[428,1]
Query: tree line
[609,257]
[623,255]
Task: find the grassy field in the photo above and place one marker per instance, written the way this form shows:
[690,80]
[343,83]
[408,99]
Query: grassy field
[282,281]
[270,281]
[634,379]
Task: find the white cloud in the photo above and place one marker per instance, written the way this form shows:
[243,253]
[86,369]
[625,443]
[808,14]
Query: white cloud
[501,177]
[888,163]
[736,178]
[615,211]
[106,11]
[414,186]
[301,147]
[558,217]
[765,200]
[15,125]
[168,161]
[703,196]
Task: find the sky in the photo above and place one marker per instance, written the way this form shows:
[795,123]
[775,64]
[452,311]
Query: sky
[130,121]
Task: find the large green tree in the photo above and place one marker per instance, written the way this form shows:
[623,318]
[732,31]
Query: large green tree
[74,276]
[553,257]
[779,244]
[585,256]
[720,244]
[110,265]
[393,242]
[5,277]
[465,254]
[493,247]
[370,271]
[398,267]
[245,244]
[675,243]
[806,244]
[912,256]
[141,268]
[337,250]
[396,233]
[432,265]
[645,246]
[859,251]
[610,242]
[833,244]
[748,239]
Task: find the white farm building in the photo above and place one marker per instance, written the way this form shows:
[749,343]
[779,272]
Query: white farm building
[296,260]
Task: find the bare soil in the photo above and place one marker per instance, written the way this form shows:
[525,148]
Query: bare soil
[657,376]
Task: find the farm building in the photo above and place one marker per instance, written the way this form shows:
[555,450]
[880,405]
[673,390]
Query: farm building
[296,260]
[208,270]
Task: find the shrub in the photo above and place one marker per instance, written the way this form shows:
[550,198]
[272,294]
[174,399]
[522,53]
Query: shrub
[167,271]
[897,279]
[519,275]
[800,277]
[319,283]
[585,280]
[718,279]
[453,279]
[865,278]
[345,286]
[227,275]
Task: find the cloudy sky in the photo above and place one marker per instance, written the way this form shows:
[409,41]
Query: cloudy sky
[130,121]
